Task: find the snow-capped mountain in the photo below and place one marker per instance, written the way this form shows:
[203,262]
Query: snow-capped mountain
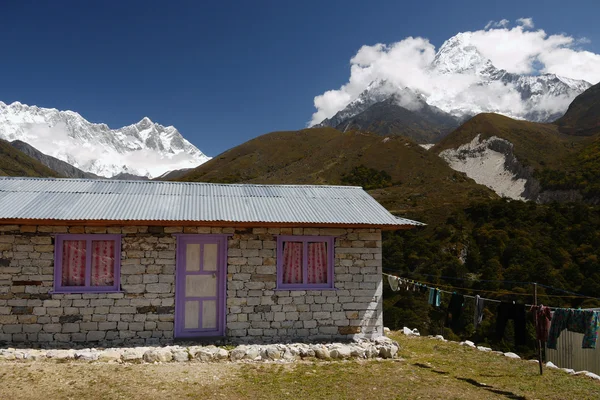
[481,87]
[145,148]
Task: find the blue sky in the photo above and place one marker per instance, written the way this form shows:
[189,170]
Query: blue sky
[224,72]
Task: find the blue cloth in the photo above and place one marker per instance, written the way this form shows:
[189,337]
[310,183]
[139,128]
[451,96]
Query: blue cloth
[435,297]
[581,321]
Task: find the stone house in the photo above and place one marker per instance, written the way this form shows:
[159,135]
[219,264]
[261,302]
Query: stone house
[111,263]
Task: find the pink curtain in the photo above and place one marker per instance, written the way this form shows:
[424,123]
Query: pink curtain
[103,263]
[292,262]
[317,262]
[73,263]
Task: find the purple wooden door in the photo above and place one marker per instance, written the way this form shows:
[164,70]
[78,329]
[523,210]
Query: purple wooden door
[200,285]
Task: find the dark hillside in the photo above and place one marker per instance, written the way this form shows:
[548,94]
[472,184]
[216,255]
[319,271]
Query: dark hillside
[583,116]
[15,163]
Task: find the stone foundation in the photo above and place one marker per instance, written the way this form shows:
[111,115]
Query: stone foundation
[143,312]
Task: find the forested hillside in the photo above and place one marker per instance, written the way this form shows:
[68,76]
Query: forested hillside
[494,249]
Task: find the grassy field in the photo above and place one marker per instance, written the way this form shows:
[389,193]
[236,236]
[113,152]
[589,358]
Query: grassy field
[429,369]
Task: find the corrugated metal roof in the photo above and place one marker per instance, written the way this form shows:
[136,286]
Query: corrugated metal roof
[112,200]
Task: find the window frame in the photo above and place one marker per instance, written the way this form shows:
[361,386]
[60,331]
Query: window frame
[58,265]
[330,240]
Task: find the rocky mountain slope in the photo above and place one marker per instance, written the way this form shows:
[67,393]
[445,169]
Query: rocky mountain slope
[418,180]
[532,161]
[539,98]
[16,163]
[405,113]
[64,169]
[145,148]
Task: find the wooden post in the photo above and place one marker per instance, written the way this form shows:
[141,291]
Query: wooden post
[539,342]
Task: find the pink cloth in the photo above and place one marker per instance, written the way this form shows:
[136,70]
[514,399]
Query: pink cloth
[292,262]
[103,263]
[73,263]
[317,262]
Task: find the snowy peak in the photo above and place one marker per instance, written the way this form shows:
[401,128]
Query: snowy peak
[145,148]
[458,56]
[463,82]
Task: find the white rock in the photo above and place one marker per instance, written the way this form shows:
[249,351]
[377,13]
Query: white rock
[568,370]
[109,355]
[158,355]
[322,353]
[60,354]
[252,353]
[388,351]
[482,348]
[86,355]
[511,355]
[592,375]
[386,330]
[440,337]
[238,353]
[467,343]
[133,354]
[550,364]
[221,354]
[340,353]
[181,355]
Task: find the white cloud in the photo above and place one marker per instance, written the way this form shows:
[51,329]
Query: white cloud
[497,24]
[519,49]
[525,22]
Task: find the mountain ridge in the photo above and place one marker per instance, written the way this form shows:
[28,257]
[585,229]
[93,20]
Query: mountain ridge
[144,148]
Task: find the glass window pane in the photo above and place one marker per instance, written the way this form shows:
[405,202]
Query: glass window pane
[292,263]
[103,263]
[317,262]
[73,263]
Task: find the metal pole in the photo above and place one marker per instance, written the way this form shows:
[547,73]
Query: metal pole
[539,342]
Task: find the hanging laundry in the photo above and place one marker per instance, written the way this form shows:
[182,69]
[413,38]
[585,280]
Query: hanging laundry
[435,297]
[541,318]
[478,317]
[515,312]
[454,311]
[580,321]
[394,282]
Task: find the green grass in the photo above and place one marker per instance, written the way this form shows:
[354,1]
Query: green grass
[428,369]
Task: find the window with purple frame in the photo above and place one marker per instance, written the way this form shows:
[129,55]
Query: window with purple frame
[305,262]
[87,263]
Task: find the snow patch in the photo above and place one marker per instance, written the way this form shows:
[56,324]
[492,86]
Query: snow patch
[486,166]
[427,146]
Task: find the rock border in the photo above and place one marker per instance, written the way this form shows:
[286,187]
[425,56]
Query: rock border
[381,347]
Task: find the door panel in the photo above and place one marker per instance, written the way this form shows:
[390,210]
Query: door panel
[200,285]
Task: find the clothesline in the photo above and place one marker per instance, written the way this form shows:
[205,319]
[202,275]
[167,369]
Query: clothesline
[548,324]
[574,295]
[426,284]
[513,282]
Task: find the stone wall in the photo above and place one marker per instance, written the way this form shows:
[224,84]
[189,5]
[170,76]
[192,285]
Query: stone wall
[143,313]
[256,311]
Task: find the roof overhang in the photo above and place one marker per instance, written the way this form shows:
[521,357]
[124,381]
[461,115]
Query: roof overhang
[222,224]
